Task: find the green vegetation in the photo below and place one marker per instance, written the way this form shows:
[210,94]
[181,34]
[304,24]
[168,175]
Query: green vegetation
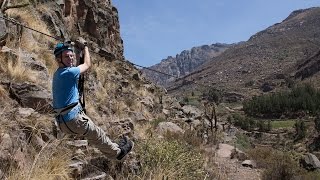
[249,124]
[300,100]
[282,124]
[192,99]
[243,141]
[301,130]
[213,95]
[317,123]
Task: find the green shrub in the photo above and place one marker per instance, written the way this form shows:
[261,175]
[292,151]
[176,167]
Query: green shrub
[300,130]
[317,123]
[242,141]
[245,123]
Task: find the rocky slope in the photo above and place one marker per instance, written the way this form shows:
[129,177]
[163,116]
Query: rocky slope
[184,63]
[117,97]
[268,61]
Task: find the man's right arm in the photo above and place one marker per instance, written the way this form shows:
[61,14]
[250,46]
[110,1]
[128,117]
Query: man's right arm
[87,61]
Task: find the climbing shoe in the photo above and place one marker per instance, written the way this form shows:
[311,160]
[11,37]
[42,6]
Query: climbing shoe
[126,146]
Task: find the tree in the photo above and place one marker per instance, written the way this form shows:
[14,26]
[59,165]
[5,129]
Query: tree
[317,122]
[212,98]
[300,130]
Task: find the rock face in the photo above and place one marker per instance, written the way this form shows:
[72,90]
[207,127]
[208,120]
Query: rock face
[96,21]
[3,32]
[184,63]
[117,96]
[32,96]
[309,67]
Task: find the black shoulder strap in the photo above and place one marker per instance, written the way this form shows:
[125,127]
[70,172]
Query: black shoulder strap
[81,87]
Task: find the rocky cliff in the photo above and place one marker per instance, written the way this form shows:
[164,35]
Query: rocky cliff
[184,63]
[117,97]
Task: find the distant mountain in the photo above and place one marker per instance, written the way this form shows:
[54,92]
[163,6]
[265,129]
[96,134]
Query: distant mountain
[270,60]
[184,63]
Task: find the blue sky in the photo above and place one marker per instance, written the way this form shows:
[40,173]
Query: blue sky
[155,29]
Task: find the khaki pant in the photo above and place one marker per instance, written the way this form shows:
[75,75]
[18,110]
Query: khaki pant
[83,126]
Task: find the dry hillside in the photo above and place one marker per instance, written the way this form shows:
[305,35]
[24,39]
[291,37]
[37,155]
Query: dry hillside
[270,58]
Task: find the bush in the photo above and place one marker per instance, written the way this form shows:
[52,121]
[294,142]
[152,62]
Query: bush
[277,164]
[243,122]
[169,160]
[213,95]
[300,130]
[317,123]
[243,141]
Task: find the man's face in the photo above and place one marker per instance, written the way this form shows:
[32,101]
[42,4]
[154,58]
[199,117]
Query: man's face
[68,58]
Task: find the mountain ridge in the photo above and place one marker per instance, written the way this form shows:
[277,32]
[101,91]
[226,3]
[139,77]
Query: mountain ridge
[183,63]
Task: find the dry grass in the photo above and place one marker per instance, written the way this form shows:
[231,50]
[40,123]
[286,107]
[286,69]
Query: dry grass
[3,93]
[169,160]
[31,40]
[50,163]
[101,95]
[119,108]
[277,164]
[19,72]
[47,57]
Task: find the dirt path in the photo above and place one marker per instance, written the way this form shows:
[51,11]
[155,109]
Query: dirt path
[232,169]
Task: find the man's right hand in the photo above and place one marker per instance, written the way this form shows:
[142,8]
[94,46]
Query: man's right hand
[80,43]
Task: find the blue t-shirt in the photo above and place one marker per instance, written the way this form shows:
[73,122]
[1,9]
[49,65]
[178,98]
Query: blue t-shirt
[65,90]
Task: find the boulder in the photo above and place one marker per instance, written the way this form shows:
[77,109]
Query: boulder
[5,142]
[236,153]
[191,110]
[31,96]
[78,143]
[148,102]
[249,163]
[164,127]
[310,162]
[123,126]
[138,117]
[25,112]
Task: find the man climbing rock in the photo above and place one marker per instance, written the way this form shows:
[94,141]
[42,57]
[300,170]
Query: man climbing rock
[70,116]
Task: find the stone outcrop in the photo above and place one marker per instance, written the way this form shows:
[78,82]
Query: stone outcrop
[3,31]
[31,96]
[310,162]
[96,21]
[165,127]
